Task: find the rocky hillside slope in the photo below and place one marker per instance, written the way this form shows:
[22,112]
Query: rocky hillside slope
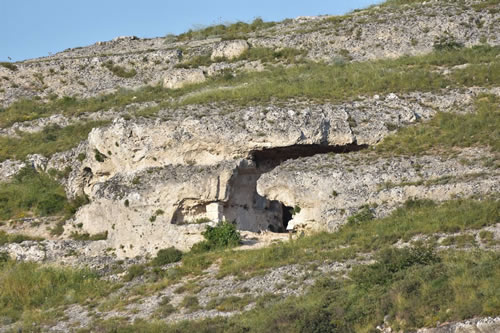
[380,128]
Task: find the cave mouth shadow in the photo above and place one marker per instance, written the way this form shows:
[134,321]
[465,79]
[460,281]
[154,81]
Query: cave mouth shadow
[269,158]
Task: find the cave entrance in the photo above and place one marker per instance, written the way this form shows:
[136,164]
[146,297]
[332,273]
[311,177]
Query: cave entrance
[253,212]
[286,216]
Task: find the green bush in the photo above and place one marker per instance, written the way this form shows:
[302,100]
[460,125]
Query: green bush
[364,214]
[446,43]
[9,65]
[134,271]
[390,261]
[231,31]
[35,193]
[30,193]
[224,235]
[87,237]
[167,256]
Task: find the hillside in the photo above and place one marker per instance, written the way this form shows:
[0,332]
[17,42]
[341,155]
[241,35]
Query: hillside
[319,174]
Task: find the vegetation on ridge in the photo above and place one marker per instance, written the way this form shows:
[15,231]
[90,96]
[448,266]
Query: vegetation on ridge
[322,82]
[50,140]
[448,130]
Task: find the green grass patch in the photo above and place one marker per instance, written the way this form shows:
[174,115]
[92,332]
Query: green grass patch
[361,234]
[47,142]
[449,130]
[229,304]
[223,235]
[32,193]
[88,237]
[26,289]
[6,238]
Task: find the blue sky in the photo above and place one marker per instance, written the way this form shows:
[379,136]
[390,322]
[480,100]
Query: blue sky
[33,28]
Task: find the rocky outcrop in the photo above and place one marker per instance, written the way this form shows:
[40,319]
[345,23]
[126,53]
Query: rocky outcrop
[229,49]
[179,78]
[330,188]
[9,168]
[478,325]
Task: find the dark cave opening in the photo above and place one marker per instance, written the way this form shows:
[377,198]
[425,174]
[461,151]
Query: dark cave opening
[286,216]
[270,158]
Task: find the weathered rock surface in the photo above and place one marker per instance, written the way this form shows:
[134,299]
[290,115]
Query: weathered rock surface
[329,189]
[229,49]
[178,78]
[478,325]
[9,168]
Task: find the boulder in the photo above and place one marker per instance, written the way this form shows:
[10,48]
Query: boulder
[180,77]
[229,49]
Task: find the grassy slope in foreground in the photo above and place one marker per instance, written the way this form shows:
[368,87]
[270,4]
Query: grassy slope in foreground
[416,286]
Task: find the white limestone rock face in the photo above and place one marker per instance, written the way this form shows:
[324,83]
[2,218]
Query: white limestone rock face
[477,325]
[330,188]
[229,49]
[9,168]
[178,78]
[151,180]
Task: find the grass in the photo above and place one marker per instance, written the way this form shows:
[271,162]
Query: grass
[448,130]
[47,142]
[265,55]
[27,289]
[32,193]
[167,256]
[346,81]
[6,238]
[411,288]
[230,303]
[414,286]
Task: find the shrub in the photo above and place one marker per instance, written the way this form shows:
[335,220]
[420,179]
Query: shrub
[134,271]
[364,214]
[446,42]
[191,303]
[167,256]
[31,192]
[223,235]
[99,157]
[9,65]
[51,140]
